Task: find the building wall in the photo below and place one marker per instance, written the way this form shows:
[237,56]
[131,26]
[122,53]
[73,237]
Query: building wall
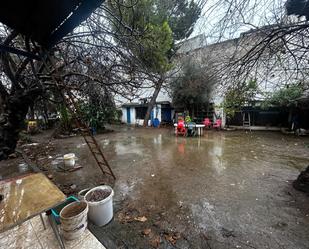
[270,75]
[219,114]
[132,115]
[157,110]
[216,56]
[124,115]
[157,113]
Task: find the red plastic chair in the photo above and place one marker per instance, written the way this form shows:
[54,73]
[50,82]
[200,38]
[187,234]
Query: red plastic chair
[207,122]
[217,124]
[181,129]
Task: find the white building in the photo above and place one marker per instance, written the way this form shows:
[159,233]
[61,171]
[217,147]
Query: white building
[270,76]
[133,112]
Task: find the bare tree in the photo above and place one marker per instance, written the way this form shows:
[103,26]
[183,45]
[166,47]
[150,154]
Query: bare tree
[270,41]
[87,57]
[276,47]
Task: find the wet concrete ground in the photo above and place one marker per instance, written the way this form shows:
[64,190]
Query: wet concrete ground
[223,190]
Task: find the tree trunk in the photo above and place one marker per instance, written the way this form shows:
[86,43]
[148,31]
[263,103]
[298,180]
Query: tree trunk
[12,120]
[152,101]
[31,111]
[45,114]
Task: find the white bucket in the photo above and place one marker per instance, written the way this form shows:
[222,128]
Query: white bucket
[81,194]
[101,212]
[73,218]
[69,160]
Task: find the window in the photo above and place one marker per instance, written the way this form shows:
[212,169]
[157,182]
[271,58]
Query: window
[140,112]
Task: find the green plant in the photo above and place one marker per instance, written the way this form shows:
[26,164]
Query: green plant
[118,115]
[25,138]
[239,96]
[156,25]
[284,97]
[96,116]
[188,119]
[193,86]
[65,119]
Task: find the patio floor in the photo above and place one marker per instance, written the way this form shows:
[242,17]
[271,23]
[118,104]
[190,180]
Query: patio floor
[31,234]
[222,190]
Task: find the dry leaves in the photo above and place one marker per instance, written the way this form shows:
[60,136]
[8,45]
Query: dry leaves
[146,231]
[141,219]
[129,217]
[124,218]
[155,242]
[172,237]
[129,214]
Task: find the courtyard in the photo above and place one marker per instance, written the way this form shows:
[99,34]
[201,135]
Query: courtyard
[223,190]
[154,124]
[226,189]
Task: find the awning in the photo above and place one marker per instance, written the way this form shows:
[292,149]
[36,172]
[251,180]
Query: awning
[46,22]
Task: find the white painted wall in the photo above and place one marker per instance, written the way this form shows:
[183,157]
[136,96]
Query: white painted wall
[192,44]
[172,114]
[132,115]
[270,76]
[134,121]
[157,112]
[220,114]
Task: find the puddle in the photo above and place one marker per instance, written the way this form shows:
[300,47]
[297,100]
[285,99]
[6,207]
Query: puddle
[222,180]
[22,167]
[81,145]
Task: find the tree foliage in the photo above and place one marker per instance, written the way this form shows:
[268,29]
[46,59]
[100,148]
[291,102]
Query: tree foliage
[284,97]
[238,96]
[158,24]
[65,119]
[85,56]
[152,39]
[99,109]
[97,116]
[181,16]
[193,86]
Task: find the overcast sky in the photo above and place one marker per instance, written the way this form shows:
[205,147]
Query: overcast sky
[226,19]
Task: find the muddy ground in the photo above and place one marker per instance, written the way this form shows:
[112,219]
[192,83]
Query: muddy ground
[223,190]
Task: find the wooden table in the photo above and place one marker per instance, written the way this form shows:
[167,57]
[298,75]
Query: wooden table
[28,196]
[199,128]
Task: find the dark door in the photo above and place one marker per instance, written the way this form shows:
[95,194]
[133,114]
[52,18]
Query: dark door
[166,114]
[128,115]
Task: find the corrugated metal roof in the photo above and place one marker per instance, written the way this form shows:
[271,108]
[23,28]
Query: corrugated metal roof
[145,105]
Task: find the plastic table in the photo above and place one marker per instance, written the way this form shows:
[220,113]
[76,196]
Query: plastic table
[199,127]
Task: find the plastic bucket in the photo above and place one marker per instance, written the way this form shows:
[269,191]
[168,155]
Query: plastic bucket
[73,219]
[101,212]
[69,160]
[56,210]
[81,194]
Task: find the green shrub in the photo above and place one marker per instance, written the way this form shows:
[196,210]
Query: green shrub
[97,116]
